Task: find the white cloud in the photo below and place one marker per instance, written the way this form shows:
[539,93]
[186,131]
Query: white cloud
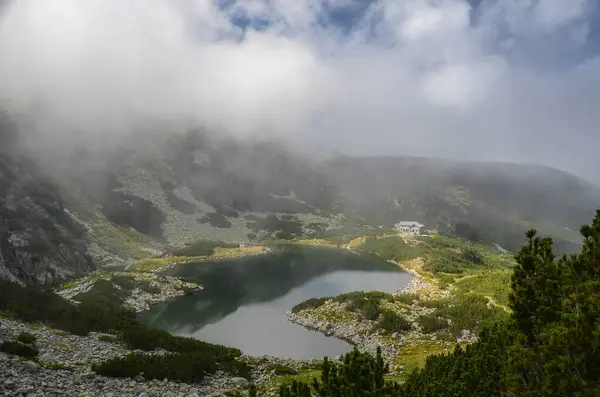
[436,79]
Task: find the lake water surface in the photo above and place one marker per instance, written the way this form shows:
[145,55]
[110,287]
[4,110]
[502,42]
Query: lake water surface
[244,301]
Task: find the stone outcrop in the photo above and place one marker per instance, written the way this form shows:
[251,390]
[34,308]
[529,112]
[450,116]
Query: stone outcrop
[39,241]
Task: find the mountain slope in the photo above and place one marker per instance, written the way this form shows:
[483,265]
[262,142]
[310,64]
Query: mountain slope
[154,191]
[39,241]
[496,202]
[184,186]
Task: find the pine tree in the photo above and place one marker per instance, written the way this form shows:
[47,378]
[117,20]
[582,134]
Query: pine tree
[556,309]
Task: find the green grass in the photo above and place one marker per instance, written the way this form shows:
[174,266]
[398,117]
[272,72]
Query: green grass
[392,248]
[412,357]
[151,265]
[493,283]
[69,284]
[57,366]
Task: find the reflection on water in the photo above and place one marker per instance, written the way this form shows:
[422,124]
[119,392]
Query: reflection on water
[244,301]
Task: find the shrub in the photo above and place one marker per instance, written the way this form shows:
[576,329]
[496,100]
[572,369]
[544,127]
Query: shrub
[216,220]
[104,290]
[203,248]
[19,349]
[124,281]
[392,322]
[58,366]
[407,299]
[148,287]
[430,324]
[283,369]
[26,337]
[359,374]
[100,313]
[311,303]
[442,265]
[228,211]
[180,204]
[139,336]
[108,338]
[469,311]
[364,303]
[176,367]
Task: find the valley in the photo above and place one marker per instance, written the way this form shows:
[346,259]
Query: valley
[169,261]
[256,302]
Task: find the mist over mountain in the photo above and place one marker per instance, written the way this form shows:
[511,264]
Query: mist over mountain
[202,120]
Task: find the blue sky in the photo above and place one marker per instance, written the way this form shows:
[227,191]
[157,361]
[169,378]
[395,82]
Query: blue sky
[508,80]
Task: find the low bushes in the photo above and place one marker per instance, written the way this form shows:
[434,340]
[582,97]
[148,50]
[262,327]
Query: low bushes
[430,324]
[188,361]
[203,248]
[280,369]
[126,282]
[367,304]
[215,219]
[26,337]
[392,322]
[364,303]
[469,311]
[146,286]
[139,336]
[311,303]
[177,367]
[102,314]
[19,349]
[108,339]
[31,304]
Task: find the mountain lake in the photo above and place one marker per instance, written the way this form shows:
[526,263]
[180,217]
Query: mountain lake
[244,301]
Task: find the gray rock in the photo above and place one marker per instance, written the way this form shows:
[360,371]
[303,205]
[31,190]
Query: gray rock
[31,366]
[240,382]
[4,356]
[88,375]
[9,384]
[143,395]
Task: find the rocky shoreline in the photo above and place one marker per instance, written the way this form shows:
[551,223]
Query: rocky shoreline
[332,319]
